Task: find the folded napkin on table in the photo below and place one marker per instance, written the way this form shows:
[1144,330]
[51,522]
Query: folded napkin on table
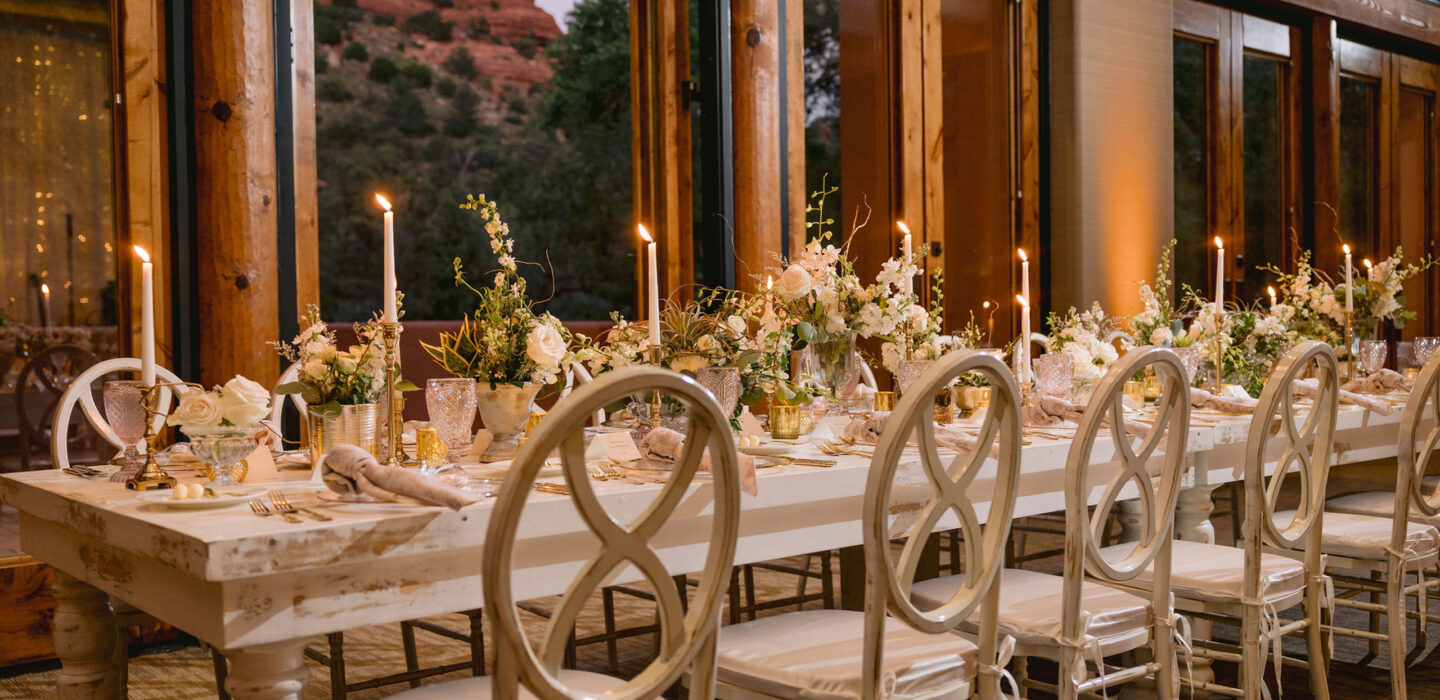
[1386,381]
[666,445]
[350,470]
[1054,411]
[867,430]
[1308,387]
[1200,398]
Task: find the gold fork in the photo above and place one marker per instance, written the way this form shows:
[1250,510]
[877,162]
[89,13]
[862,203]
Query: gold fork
[282,504]
[262,510]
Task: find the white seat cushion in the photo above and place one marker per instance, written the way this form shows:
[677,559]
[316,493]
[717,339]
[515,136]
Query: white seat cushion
[1212,572]
[1365,536]
[818,654]
[479,688]
[1031,605]
[1380,503]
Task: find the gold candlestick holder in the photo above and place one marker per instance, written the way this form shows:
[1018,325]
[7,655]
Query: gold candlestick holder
[1347,368]
[151,476]
[1218,352]
[390,335]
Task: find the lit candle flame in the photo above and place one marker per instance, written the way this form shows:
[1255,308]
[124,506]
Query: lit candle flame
[985,305]
[144,256]
[1021,298]
[645,234]
[45,289]
[1023,256]
[1219,243]
[1346,248]
[769,281]
[903,228]
[384,203]
[1272,291]
[1367,263]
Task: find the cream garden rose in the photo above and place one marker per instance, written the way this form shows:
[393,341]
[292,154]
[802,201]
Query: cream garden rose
[545,346]
[243,401]
[196,407]
[794,283]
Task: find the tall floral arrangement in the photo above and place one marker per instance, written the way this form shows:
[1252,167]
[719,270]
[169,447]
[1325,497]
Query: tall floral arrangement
[1379,293]
[1308,303]
[1154,324]
[919,334]
[1089,338]
[331,376]
[819,295]
[691,338]
[503,341]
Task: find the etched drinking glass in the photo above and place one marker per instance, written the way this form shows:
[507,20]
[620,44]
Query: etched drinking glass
[1425,346]
[1054,373]
[1372,356]
[908,372]
[724,384]
[1190,358]
[450,403]
[125,412]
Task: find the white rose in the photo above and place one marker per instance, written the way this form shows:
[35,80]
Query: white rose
[737,325]
[315,370]
[244,402]
[1161,336]
[794,283]
[706,343]
[545,345]
[196,408]
[346,363]
[919,317]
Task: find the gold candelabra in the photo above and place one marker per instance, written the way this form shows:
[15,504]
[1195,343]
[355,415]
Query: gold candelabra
[151,476]
[1347,370]
[395,452]
[1218,348]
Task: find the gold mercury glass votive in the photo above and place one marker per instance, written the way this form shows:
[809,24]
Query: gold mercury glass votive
[1135,390]
[1411,372]
[429,449]
[1153,388]
[784,422]
[530,424]
[945,407]
[884,400]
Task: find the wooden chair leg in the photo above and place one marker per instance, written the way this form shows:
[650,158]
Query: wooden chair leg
[222,669]
[803,580]
[1252,667]
[735,595]
[749,572]
[1395,605]
[827,580]
[1375,616]
[477,642]
[338,687]
[612,647]
[1236,494]
[1316,647]
[412,655]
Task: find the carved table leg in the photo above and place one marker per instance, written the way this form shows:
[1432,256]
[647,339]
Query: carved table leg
[85,639]
[268,672]
[1192,523]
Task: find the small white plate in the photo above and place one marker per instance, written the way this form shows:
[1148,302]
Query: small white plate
[224,499]
[769,450]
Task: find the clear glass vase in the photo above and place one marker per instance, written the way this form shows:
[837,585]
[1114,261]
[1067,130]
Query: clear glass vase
[224,447]
[834,367]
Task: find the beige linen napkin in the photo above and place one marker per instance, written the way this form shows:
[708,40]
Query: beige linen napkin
[1308,387]
[1200,398]
[1054,411]
[350,470]
[867,430]
[665,446]
[1386,381]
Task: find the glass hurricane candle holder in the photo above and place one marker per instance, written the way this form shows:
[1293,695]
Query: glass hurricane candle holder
[125,412]
[724,384]
[450,404]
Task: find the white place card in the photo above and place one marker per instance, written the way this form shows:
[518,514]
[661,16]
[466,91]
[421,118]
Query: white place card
[830,428]
[619,447]
[483,438]
[260,466]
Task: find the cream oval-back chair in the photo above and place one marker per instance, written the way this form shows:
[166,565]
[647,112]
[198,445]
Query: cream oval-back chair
[82,393]
[1362,533]
[277,401]
[1074,619]
[1279,565]
[686,639]
[910,652]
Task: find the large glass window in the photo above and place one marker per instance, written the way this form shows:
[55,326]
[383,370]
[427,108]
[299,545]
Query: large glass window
[528,107]
[1359,101]
[1192,144]
[1264,163]
[822,93]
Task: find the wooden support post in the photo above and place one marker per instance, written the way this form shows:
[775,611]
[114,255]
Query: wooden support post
[307,204]
[796,189]
[235,188]
[755,85]
[1323,110]
[660,144]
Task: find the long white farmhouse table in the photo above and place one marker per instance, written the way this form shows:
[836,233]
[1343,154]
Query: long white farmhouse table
[260,589]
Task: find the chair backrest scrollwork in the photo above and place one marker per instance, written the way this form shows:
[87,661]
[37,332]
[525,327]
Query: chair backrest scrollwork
[82,392]
[1157,488]
[687,637]
[1305,451]
[997,442]
[1413,458]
